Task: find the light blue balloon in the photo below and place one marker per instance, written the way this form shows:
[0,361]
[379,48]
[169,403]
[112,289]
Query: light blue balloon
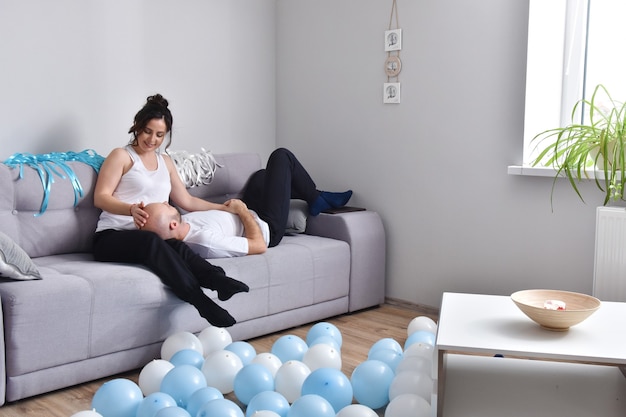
[420,336]
[244,350]
[222,407]
[330,384]
[268,400]
[389,356]
[172,412]
[181,382]
[324,329]
[251,380]
[370,382]
[200,397]
[289,347]
[311,405]
[153,403]
[187,357]
[386,343]
[326,340]
[117,398]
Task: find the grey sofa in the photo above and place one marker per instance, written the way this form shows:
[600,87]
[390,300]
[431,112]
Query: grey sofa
[85,320]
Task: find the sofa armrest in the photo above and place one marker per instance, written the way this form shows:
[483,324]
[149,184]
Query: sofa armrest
[364,232]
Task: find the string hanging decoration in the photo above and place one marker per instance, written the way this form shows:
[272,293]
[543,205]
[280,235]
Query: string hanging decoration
[393,64]
[195,169]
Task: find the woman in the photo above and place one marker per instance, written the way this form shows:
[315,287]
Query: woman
[136,175]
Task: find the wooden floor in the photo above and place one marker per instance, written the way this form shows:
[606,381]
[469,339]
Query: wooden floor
[359,331]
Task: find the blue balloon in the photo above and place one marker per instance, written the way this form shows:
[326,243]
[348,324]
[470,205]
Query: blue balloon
[172,412]
[187,357]
[389,356]
[386,343]
[153,403]
[221,407]
[251,380]
[420,336]
[182,381]
[244,350]
[200,397]
[268,400]
[311,405]
[117,398]
[324,329]
[370,382]
[330,384]
[289,347]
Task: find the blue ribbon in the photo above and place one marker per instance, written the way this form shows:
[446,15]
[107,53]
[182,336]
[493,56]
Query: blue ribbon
[55,163]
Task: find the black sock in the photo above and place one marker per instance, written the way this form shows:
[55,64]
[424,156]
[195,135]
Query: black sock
[213,313]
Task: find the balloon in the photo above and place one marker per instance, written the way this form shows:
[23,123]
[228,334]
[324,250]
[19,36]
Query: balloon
[87,413]
[410,382]
[179,341]
[187,357]
[117,398]
[221,407]
[327,340]
[330,384]
[172,412]
[153,403]
[251,380]
[214,339]
[289,347]
[424,350]
[220,368]
[201,397]
[389,356]
[415,364]
[370,382]
[357,410]
[265,413]
[269,401]
[152,374]
[324,329]
[244,350]
[181,382]
[421,323]
[420,336]
[408,405]
[311,405]
[386,343]
[289,379]
[268,360]
[322,356]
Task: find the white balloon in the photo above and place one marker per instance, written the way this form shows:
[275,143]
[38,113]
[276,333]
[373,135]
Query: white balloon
[408,405]
[264,413]
[152,374]
[214,339]
[87,413]
[289,379]
[424,350]
[416,364]
[356,410]
[220,369]
[179,341]
[421,323]
[410,382]
[322,356]
[269,360]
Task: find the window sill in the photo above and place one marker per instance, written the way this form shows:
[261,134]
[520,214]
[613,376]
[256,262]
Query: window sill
[527,170]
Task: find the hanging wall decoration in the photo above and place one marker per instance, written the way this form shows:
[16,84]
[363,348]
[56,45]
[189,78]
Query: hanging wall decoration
[393,64]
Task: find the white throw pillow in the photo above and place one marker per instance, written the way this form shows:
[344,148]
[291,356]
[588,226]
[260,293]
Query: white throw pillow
[14,262]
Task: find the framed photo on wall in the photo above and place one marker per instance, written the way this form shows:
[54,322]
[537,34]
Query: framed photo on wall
[391,93]
[393,40]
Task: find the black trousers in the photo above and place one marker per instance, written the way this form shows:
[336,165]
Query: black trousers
[269,190]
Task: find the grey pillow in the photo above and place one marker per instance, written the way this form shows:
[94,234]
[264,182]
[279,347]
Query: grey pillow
[14,262]
[298,212]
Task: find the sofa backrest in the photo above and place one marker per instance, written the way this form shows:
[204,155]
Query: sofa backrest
[65,227]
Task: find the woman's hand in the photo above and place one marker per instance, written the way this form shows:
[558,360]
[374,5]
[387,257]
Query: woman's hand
[140,216]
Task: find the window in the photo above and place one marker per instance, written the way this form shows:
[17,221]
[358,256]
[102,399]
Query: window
[573,45]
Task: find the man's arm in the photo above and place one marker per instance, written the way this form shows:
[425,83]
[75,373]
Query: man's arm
[252,231]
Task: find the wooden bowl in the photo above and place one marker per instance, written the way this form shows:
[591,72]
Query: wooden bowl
[577,307]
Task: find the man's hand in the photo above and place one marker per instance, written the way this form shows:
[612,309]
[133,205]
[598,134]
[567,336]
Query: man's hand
[236,206]
[256,243]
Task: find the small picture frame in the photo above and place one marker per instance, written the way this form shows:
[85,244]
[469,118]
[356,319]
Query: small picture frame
[391,93]
[393,40]
[393,66]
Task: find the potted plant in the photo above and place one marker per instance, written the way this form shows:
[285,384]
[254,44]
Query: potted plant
[597,146]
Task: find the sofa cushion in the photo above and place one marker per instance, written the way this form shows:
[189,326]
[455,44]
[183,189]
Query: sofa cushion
[14,262]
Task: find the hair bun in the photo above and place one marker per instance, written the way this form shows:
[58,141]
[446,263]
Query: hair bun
[158,99]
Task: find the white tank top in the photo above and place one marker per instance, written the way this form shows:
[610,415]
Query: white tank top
[137,185]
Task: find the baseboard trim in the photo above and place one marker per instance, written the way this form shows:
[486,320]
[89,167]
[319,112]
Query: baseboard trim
[424,309]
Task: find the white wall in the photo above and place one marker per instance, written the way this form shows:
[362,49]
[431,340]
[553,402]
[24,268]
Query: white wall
[433,166]
[75,72]
[308,74]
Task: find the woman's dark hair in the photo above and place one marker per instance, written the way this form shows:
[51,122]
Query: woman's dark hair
[156,107]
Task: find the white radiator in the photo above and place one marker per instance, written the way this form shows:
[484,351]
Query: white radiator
[609,276]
